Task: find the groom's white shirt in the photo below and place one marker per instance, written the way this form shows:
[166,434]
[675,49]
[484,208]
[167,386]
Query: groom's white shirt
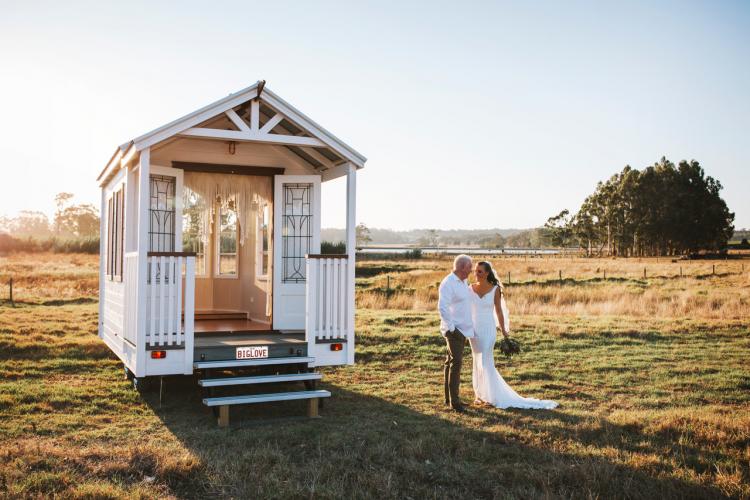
[454,305]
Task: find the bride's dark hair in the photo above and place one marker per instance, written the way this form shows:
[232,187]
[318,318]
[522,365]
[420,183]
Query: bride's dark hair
[491,277]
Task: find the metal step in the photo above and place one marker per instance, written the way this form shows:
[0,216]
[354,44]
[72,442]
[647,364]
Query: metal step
[265,379]
[264,398]
[236,363]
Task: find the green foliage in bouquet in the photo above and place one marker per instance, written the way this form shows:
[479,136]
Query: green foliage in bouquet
[509,346]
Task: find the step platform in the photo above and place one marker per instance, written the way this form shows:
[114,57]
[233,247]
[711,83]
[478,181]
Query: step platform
[241,363]
[264,379]
[225,402]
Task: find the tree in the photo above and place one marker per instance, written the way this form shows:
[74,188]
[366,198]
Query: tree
[28,223]
[559,228]
[362,235]
[662,210]
[75,220]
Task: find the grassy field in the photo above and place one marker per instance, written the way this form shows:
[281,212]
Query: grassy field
[651,373]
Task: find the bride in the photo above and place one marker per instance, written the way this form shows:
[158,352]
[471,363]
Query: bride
[489,387]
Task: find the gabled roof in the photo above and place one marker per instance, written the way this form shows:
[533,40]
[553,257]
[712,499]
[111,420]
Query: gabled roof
[289,122]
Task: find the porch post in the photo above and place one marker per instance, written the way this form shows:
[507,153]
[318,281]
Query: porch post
[351,241]
[144,174]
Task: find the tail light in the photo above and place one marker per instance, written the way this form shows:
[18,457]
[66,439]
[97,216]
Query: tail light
[337,347]
[158,354]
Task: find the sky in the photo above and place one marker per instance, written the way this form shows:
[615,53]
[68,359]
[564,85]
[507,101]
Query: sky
[471,114]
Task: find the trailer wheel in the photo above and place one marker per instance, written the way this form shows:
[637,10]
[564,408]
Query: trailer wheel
[128,374]
[142,384]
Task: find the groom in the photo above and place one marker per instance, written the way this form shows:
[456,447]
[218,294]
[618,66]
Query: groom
[454,306]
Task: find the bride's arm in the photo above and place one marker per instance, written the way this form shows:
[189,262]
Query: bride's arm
[499,310]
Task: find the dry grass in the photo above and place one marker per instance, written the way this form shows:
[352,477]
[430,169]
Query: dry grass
[705,289]
[652,406]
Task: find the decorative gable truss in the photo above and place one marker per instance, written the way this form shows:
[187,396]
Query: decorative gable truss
[254,114]
[256,121]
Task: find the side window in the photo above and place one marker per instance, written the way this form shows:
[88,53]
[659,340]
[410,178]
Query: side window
[261,242]
[226,241]
[192,231]
[115,233]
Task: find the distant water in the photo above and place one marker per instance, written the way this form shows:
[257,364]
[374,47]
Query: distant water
[456,251]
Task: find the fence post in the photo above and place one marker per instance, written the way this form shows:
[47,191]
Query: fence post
[680,271]
[605,275]
[644,273]
[509,277]
[13,304]
[560,276]
[713,268]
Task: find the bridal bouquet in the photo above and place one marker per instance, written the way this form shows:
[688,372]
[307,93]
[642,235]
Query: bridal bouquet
[509,347]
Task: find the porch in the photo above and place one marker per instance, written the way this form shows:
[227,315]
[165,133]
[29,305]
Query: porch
[171,324]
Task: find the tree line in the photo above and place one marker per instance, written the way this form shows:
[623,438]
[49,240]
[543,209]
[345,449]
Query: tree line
[664,209]
[74,228]
[71,220]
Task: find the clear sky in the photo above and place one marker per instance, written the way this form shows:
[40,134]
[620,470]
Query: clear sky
[471,114]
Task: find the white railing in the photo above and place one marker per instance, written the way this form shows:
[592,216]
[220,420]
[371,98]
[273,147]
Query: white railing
[327,291]
[169,308]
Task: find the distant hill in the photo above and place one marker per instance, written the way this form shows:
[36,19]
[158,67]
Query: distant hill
[423,236]
[485,238]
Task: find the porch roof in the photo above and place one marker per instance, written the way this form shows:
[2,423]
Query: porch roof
[258,115]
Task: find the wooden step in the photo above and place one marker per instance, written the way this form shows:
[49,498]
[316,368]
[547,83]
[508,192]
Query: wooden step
[225,402]
[236,363]
[265,398]
[265,379]
[219,314]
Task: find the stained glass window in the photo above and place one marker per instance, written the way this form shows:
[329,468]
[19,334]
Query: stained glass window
[162,214]
[296,231]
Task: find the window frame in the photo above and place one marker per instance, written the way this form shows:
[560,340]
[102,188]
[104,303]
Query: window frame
[217,245]
[206,265]
[260,254]
[115,233]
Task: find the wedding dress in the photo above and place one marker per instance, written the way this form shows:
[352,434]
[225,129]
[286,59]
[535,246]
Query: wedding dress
[489,386]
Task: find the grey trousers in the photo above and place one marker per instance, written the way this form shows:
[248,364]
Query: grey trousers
[455,341]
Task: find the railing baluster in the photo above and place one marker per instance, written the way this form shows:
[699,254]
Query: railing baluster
[335,295]
[152,289]
[329,265]
[178,300]
[342,297]
[162,298]
[170,303]
[321,297]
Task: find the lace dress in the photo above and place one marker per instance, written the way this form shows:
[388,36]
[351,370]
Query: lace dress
[489,386]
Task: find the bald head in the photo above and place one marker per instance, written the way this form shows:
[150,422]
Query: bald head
[462,266]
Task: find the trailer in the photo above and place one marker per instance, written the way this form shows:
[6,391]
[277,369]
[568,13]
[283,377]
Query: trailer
[210,262]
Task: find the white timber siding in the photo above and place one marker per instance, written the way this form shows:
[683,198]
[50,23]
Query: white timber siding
[113,307]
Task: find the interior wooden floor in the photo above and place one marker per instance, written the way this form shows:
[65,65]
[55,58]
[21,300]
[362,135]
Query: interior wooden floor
[229,326]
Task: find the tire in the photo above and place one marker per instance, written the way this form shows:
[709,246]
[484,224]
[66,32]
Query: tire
[142,384]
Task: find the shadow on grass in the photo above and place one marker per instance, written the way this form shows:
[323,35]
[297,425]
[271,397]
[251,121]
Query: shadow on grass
[367,446]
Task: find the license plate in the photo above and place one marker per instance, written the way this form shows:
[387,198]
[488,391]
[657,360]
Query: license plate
[253,352]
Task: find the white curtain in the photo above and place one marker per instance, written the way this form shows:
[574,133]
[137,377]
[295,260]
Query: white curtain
[248,192]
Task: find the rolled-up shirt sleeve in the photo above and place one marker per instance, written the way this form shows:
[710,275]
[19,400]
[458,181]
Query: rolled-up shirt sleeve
[446,297]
